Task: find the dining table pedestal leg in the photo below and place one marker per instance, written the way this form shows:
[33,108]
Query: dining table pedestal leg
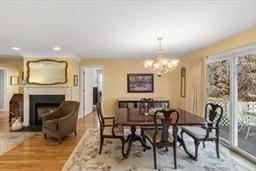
[132,137]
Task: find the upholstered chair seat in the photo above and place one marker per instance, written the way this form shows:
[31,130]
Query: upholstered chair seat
[198,132]
[118,131]
[150,134]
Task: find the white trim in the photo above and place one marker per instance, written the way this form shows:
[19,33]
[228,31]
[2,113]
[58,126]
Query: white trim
[51,55]
[82,68]
[42,90]
[233,103]
[239,151]
[231,56]
[6,89]
[239,51]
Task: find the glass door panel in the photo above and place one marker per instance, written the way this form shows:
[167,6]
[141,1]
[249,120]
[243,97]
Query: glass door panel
[246,115]
[218,91]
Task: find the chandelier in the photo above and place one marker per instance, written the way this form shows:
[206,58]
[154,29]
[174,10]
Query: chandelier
[161,65]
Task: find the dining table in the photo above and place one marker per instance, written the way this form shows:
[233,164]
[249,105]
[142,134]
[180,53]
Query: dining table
[135,117]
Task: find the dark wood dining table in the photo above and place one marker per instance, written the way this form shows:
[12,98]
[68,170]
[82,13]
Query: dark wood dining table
[134,117]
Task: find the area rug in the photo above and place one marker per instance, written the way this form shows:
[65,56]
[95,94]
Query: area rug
[85,157]
[11,139]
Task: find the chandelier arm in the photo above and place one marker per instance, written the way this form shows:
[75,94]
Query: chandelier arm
[160,65]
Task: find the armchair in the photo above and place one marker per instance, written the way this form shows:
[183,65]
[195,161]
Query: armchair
[213,114]
[62,121]
[110,131]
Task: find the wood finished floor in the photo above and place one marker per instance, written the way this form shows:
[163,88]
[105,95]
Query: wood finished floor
[38,154]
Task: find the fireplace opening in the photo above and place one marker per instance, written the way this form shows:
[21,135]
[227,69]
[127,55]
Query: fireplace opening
[43,108]
[41,104]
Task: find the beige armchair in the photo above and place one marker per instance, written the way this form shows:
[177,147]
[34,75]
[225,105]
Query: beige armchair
[62,121]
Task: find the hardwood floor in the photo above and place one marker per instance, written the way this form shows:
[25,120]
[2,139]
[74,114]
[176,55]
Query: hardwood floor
[38,154]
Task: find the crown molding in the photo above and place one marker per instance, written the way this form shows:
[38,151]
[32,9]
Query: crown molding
[51,56]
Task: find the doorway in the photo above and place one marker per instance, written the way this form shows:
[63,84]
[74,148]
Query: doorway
[92,88]
[3,90]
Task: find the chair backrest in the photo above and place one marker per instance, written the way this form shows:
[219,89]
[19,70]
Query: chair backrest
[213,114]
[146,104]
[167,118]
[99,113]
[68,107]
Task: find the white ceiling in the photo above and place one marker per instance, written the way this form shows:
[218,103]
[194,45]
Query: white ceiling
[119,29]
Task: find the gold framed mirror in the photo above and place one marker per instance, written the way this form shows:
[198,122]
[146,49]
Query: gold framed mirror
[47,72]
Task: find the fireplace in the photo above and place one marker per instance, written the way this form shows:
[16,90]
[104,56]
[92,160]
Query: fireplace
[41,104]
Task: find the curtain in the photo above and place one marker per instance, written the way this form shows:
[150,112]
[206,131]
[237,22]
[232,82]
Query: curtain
[195,89]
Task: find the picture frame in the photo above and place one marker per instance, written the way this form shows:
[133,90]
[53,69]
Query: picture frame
[14,80]
[75,80]
[183,82]
[140,83]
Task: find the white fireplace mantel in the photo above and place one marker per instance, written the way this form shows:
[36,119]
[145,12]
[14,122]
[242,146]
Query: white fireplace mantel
[43,90]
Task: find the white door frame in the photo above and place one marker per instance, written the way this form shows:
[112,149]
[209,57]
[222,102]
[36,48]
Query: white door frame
[6,89]
[82,85]
[231,57]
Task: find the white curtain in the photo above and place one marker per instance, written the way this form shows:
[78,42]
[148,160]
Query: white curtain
[195,89]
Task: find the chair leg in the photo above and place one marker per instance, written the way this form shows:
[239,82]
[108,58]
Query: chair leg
[75,133]
[197,143]
[166,148]
[174,154]
[101,144]
[154,154]
[123,143]
[185,148]
[203,144]
[248,132]
[217,147]
[45,136]
[143,136]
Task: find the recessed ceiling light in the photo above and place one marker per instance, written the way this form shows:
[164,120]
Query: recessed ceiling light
[16,48]
[56,48]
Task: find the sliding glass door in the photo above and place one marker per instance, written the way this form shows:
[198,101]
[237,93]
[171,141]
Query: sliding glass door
[231,82]
[218,91]
[246,113]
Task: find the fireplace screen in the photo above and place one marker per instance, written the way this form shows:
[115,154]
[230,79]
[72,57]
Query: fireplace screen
[43,108]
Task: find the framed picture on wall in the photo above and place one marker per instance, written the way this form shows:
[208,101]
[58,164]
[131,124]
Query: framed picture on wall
[14,80]
[75,80]
[140,83]
[183,82]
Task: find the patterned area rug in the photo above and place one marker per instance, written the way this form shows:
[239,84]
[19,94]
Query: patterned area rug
[10,140]
[85,157]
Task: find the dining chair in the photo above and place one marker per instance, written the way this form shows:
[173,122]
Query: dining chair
[109,131]
[213,115]
[162,136]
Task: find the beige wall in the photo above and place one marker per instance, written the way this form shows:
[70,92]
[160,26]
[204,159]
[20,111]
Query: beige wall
[167,86]
[14,67]
[115,81]
[193,60]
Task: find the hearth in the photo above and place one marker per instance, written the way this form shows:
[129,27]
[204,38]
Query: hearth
[40,104]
